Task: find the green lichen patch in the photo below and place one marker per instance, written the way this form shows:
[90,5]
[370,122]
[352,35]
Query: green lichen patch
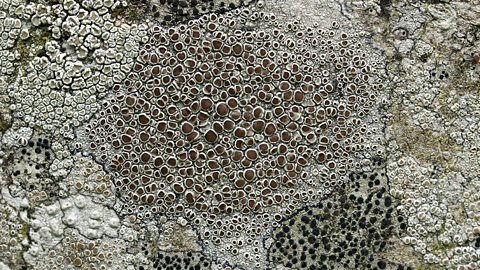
[28,49]
[32,47]
[440,248]
[180,260]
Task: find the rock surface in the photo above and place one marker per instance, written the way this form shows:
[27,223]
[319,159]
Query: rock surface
[235,134]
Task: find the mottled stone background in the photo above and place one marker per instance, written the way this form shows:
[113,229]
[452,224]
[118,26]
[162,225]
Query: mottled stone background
[239,134]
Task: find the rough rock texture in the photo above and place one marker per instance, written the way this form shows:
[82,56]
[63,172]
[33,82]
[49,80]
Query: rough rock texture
[239,134]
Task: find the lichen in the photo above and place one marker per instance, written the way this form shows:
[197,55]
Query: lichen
[427,146]
[133,12]
[5,119]
[33,46]
[244,134]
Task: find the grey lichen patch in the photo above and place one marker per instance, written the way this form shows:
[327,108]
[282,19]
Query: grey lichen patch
[92,220]
[401,253]
[87,178]
[6,117]
[443,224]
[425,145]
[29,48]
[64,56]
[178,238]
[78,252]
[461,85]
[432,122]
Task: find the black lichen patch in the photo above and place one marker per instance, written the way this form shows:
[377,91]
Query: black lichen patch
[179,260]
[349,230]
[385,8]
[440,75]
[30,167]
[133,12]
[170,12]
[182,10]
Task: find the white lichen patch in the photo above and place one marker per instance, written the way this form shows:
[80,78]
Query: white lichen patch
[90,219]
[46,230]
[68,62]
[443,222]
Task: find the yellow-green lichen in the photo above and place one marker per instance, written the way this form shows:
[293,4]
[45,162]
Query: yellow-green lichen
[34,46]
[28,49]
[439,247]
[24,230]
